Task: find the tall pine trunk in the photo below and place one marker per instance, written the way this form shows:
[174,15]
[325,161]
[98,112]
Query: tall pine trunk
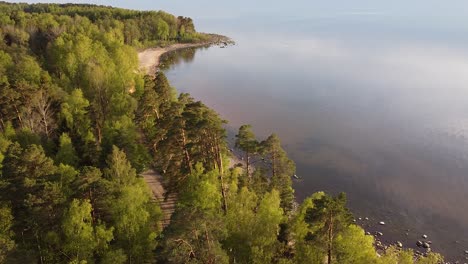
[330,239]
[247,160]
[187,155]
[219,159]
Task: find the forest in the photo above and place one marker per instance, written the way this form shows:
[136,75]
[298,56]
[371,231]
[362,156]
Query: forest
[79,123]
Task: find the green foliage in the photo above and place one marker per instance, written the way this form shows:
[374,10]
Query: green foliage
[395,255]
[253,232]
[66,153]
[202,190]
[306,251]
[74,114]
[266,229]
[131,211]
[431,258]
[282,169]
[114,257]
[274,172]
[6,234]
[162,29]
[119,170]
[81,239]
[124,134]
[353,246]
[406,256]
[135,219]
[194,237]
[246,141]
[331,217]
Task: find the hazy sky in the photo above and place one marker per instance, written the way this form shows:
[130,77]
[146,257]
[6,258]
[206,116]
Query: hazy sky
[437,9]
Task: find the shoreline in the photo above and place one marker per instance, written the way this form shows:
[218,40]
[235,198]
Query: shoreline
[375,229]
[149,59]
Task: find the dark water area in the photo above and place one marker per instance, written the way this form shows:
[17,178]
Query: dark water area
[371,107]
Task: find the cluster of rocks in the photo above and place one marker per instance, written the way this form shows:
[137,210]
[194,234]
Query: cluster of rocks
[424,245]
[360,219]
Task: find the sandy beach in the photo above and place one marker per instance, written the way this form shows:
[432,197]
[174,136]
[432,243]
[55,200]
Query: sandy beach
[149,58]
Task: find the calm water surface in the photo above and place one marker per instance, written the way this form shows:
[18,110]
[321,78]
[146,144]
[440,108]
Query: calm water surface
[363,105]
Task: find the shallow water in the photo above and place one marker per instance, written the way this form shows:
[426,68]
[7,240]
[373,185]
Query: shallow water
[372,107]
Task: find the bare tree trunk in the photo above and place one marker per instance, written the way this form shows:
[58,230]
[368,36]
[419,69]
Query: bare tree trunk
[247,160]
[99,133]
[157,114]
[19,116]
[41,258]
[219,157]
[43,106]
[187,155]
[273,165]
[223,189]
[330,239]
[208,242]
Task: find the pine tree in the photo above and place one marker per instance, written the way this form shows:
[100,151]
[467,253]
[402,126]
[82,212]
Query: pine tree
[6,234]
[81,237]
[332,217]
[246,141]
[282,169]
[66,153]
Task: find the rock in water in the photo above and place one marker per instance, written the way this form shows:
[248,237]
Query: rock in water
[426,245]
[382,223]
[419,243]
[399,244]
[424,236]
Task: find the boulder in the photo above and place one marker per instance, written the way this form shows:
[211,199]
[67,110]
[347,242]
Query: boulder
[426,245]
[419,243]
[424,236]
[399,244]
[382,223]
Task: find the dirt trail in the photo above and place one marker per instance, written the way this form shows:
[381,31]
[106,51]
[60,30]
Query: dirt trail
[155,182]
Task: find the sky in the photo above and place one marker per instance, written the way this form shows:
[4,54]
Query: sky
[205,9]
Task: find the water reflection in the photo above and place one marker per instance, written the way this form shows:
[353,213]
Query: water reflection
[177,57]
